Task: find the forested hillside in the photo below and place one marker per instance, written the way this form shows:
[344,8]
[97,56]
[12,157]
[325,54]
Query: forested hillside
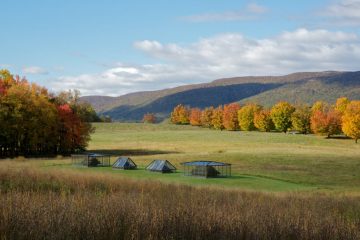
[267,90]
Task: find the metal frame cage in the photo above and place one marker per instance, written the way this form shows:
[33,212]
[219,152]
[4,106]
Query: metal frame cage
[91,160]
[207,169]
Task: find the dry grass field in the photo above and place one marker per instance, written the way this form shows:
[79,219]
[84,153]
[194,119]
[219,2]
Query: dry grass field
[283,187]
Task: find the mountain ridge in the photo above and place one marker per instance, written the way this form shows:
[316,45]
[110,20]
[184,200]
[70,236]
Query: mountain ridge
[304,87]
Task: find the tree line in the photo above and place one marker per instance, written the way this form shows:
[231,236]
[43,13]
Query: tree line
[321,118]
[36,122]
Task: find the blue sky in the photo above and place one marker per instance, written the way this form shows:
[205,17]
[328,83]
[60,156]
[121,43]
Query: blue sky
[116,47]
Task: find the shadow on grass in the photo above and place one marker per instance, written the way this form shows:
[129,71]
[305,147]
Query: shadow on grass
[132,152]
[239,177]
[340,137]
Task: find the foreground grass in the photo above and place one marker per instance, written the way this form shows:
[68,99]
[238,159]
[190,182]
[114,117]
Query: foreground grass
[63,204]
[261,161]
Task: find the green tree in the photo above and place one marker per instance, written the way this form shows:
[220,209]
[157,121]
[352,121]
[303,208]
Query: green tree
[300,119]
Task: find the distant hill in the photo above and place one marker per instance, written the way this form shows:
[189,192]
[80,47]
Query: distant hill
[304,87]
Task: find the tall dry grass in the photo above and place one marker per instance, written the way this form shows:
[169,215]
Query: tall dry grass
[63,205]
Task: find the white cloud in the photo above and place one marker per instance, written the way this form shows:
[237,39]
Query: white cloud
[4,66]
[250,12]
[344,12]
[256,8]
[35,70]
[225,55]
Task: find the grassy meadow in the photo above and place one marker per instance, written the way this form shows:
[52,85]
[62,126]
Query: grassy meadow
[260,161]
[283,186]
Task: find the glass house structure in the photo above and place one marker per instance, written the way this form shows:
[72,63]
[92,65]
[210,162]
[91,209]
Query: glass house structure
[91,160]
[125,163]
[163,166]
[207,169]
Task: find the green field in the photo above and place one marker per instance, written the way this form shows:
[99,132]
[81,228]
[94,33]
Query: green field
[260,161]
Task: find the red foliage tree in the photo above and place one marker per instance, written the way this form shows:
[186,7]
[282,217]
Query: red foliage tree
[72,130]
[230,116]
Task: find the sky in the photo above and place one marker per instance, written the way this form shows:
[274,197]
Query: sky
[114,47]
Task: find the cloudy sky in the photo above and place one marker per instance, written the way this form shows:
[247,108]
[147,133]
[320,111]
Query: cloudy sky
[113,47]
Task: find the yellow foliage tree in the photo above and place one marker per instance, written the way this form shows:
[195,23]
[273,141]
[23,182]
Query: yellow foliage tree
[246,116]
[320,106]
[281,116]
[180,115]
[206,116]
[263,121]
[341,104]
[351,120]
[217,118]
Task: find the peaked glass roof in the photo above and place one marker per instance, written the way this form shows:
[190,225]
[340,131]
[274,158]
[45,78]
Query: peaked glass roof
[160,165]
[124,162]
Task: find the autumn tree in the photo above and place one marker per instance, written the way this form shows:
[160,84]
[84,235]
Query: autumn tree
[351,120]
[246,116]
[327,122]
[217,118]
[206,116]
[320,106]
[263,121]
[341,104]
[195,117]
[230,116]
[180,115]
[32,120]
[75,128]
[281,116]
[149,118]
[300,119]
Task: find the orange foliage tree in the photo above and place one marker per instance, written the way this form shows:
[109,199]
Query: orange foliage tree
[351,120]
[230,118]
[206,116]
[246,116]
[263,121]
[195,117]
[217,118]
[180,115]
[149,118]
[327,122]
